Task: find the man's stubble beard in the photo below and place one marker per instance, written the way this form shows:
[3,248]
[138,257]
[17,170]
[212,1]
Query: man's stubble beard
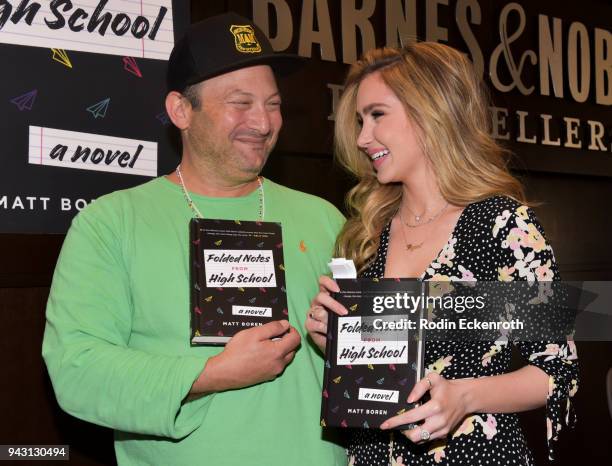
[221,157]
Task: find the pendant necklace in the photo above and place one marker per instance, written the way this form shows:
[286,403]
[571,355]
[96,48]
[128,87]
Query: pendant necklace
[409,246]
[418,217]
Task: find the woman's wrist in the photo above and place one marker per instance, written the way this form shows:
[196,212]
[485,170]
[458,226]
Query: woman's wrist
[467,394]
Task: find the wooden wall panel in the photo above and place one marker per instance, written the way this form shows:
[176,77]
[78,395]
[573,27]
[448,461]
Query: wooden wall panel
[30,413]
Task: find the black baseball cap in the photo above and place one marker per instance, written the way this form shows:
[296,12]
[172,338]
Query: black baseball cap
[221,44]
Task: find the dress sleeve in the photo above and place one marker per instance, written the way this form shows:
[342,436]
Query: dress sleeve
[96,376]
[528,256]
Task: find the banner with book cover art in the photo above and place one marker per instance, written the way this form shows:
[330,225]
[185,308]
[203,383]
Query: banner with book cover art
[81,104]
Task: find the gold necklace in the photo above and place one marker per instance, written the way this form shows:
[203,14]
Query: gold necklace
[196,211]
[409,246]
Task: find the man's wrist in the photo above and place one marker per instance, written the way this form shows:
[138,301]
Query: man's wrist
[207,382]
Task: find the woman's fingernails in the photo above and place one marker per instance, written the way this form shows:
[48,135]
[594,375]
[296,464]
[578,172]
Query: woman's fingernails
[384,425]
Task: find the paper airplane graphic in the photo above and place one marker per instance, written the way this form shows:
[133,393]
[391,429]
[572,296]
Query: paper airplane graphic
[163,118]
[99,110]
[25,101]
[60,55]
[130,65]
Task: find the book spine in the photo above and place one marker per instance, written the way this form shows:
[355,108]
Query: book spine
[194,278]
[330,352]
[420,360]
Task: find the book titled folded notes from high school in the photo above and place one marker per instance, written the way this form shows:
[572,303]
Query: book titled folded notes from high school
[374,355]
[237,277]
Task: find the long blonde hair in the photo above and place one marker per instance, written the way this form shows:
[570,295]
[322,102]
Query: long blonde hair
[448,102]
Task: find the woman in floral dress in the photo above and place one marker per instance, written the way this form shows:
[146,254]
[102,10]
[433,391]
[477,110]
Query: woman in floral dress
[435,200]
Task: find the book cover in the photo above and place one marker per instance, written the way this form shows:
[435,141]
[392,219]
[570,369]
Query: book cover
[374,355]
[237,277]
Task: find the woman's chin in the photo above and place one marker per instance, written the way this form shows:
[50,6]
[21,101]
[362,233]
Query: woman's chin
[384,177]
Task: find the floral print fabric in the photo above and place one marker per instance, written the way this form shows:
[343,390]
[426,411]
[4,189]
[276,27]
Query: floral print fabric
[494,240]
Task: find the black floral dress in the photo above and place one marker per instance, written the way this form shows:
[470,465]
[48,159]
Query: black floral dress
[495,239]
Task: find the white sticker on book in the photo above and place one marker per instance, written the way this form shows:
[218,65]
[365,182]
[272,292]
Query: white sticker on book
[374,394]
[88,151]
[252,311]
[239,268]
[113,27]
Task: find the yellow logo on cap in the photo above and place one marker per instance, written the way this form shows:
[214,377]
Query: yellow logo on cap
[244,38]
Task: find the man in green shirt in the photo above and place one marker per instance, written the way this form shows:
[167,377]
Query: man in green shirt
[117,341]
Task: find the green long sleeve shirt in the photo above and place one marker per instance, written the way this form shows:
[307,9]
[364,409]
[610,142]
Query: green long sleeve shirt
[117,336]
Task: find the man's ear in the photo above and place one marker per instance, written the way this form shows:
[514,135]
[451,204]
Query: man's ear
[179,110]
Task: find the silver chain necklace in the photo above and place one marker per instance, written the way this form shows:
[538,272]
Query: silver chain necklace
[417,218]
[196,211]
[429,220]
